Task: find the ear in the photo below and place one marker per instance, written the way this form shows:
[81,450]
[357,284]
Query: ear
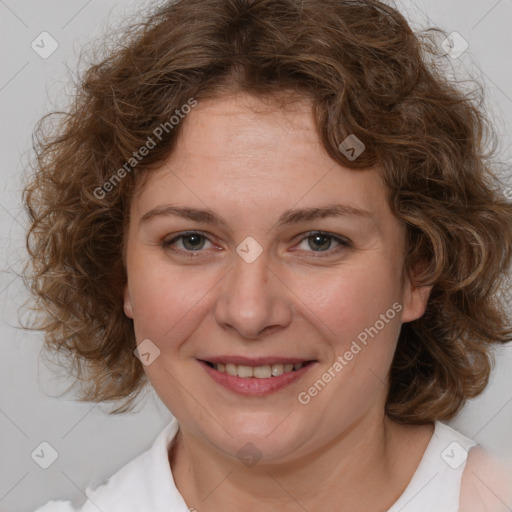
[127,304]
[415,298]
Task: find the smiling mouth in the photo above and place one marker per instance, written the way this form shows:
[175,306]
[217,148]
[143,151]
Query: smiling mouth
[258,372]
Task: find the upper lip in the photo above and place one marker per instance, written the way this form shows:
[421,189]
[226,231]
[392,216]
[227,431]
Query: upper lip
[254,361]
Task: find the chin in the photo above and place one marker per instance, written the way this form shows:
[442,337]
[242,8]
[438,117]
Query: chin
[270,438]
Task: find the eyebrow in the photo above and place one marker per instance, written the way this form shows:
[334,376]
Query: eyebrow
[293,216]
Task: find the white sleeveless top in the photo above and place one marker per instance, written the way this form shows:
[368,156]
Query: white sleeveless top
[146,484]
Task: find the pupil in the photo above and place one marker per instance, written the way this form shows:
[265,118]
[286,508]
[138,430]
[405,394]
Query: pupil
[192,237]
[324,237]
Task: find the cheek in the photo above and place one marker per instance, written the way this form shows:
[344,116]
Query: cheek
[166,300]
[347,307]
[345,302]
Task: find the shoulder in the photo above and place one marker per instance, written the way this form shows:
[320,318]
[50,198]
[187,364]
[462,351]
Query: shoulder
[116,489]
[486,483]
[144,483]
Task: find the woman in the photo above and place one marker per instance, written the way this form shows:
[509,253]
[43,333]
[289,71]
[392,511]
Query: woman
[281,216]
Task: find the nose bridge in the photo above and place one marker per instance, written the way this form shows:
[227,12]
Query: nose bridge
[252,298]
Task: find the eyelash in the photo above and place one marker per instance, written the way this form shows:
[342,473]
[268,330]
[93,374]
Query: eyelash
[344,243]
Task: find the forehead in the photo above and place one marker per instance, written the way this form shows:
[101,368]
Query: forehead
[259,152]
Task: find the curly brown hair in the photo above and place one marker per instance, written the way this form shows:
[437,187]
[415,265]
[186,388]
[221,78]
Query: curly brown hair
[366,73]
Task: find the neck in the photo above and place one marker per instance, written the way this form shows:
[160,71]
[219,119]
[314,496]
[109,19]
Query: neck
[365,468]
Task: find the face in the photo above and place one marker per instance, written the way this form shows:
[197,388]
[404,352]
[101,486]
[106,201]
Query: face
[261,280]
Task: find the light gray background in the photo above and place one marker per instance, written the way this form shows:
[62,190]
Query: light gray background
[92,445]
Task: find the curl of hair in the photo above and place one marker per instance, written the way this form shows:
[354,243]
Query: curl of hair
[366,73]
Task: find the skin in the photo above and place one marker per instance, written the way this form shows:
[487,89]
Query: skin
[248,161]
[485,484]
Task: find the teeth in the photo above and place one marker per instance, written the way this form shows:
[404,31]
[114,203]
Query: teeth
[244,371]
[260,372]
[231,369]
[278,369]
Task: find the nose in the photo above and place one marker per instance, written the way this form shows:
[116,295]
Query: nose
[253,301]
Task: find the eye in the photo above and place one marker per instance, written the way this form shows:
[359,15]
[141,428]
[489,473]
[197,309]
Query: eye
[191,241]
[321,241]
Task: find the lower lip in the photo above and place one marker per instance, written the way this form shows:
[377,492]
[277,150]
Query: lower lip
[252,385]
